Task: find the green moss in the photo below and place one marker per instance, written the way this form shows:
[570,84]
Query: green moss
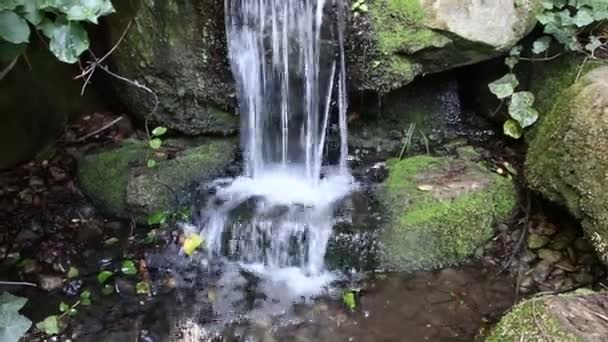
[530,321]
[104,176]
[430,230]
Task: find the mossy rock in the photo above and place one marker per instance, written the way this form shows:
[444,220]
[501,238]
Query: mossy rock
[440,211]
[564,318]
[568,155]
[397,40]
[177,49]
[118,181]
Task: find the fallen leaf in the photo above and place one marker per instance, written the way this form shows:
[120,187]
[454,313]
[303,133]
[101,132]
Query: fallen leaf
[192,243]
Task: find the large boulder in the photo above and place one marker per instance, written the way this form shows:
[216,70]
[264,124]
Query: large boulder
[397,40]
[576,317]
[119,182]
[178,49]
[440,210]
[567,161]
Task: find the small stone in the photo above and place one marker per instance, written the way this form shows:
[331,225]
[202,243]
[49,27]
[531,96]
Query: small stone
[527,285]
[566,265]
[583,278]
[582,245]
[563,238]
[57,173]
[528,256]
[536,241]
[49,282]
[549,255]
[541,271]
[502,228]
[124,287]
[546,228]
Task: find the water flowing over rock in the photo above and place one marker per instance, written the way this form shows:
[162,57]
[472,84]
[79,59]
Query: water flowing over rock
[440,211]
[568,154]
[397,40]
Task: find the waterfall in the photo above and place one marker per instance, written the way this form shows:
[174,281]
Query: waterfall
[287,58]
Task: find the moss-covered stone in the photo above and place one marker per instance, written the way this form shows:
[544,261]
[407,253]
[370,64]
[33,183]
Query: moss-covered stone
[178,49]
[563,318]
[568,155]
[397,40]
[441,210]
[120,184]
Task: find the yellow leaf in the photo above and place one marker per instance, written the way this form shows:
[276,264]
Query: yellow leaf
[192,243]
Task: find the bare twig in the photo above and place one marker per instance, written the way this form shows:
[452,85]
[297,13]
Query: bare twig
[545,59]
[110,124]
[8,68]
[17,283]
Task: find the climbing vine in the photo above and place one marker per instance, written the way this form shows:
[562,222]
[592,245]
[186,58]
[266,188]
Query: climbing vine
[571,26]
[60,21]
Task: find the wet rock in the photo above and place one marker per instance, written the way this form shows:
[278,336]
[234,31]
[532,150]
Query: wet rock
[568,154]
[536,241]
[179,50]
[583,278]
[549,255]
[544,228]
[528,256]
[49,282]
[541,271]
[118,181]
[444,225]
[563,239]
[566,265]
[567,317]
[403,39]
[124,287]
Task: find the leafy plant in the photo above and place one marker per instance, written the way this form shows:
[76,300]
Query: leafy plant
[349,300]
[576,26]
[359,7]
[13,325]
[52,325]
[192,242]
[128,267]
[61,21]
[155,142]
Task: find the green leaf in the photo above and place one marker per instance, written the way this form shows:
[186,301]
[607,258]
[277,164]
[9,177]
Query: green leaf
[12,324]
[541,44]
[13,28]
[103,276]
[158,131]
[521,109]
[85,302]
[142,288]
[89,10]
[68,39]
[594,44]
[73,272]
[128,267]
[192,243]
[511,128]
[583,17]
[107,289]
[155,143]
[511,62]
[49,326]
[30,11]
[151,163]
[504,86]
[72,312]
[63,307]
[349,300]
[85,294]
[159,217]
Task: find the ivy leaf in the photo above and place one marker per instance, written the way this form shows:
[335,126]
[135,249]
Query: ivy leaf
[159,217]
[128,267]
[511,62]
[155,143]
[63,307]
[103,276]
[504,86]
[158,131]
[521,109]
[348,298]
[13,28]
[49,326]
[86,294]
[192,243]
[594,44]
[151,163]
[89,10]
[12,324]
[583,17]
[541,44]
[73,272]
[30,11]
[68,39]
[9,5]
[512,129]
[142,288]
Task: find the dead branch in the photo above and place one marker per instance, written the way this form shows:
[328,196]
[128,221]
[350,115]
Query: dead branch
[110,124]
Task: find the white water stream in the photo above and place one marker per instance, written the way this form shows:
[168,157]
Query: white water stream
[287,58]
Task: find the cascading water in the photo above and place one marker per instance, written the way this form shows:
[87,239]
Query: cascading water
[277,218]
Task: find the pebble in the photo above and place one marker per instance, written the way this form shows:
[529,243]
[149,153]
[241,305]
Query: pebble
[49,282]
[566,265]
[544,228]
[536,241]
[549,255]
[541,271]
[563,239]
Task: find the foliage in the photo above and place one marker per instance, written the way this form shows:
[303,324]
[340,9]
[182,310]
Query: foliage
[155,143]
[53,324]
[359,7]
[192,242]
[349,299]
[128,267]
[61,21]
[12,324]
[576,26]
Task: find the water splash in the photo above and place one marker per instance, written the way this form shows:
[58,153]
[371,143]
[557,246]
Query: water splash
[287,58]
